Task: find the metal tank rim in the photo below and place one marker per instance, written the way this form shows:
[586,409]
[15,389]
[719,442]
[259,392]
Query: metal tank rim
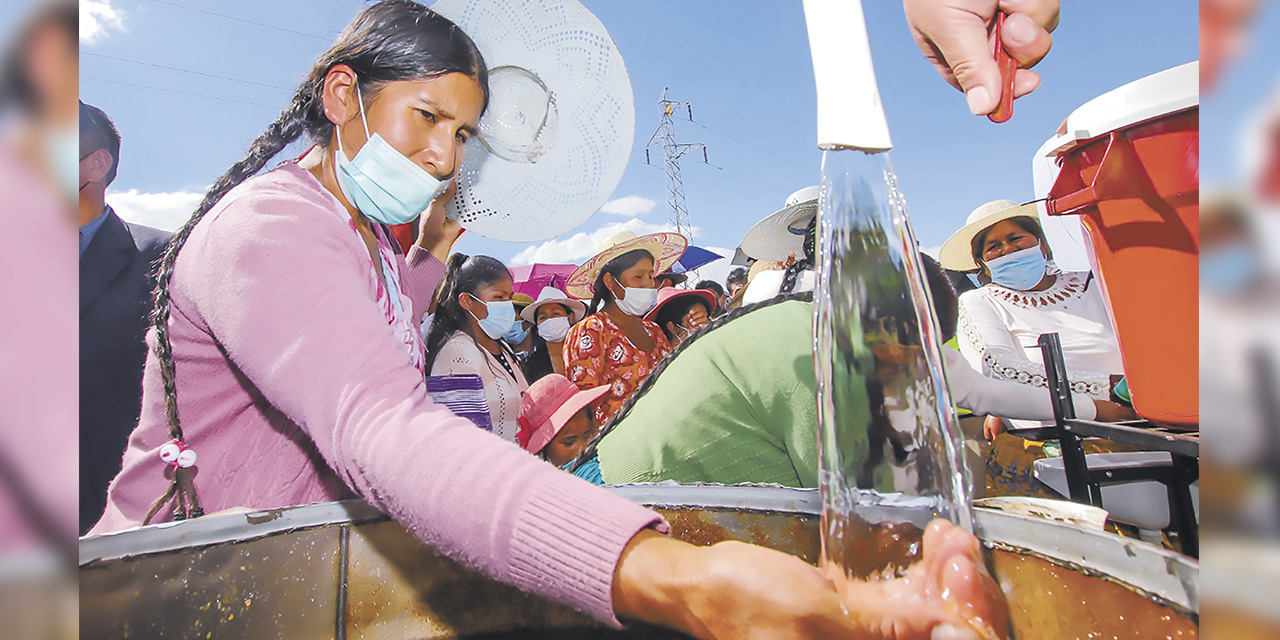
[1168,576]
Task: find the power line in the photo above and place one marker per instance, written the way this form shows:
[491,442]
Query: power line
[237,19]
[190,71]
[753,145]
[184,93]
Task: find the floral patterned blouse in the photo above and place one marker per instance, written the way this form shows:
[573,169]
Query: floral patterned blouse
[597,352]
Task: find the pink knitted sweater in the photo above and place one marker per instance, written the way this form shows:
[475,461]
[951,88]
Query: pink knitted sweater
[293,389]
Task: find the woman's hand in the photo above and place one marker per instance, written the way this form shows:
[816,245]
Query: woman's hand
[741,591]
[955,35]
[992,426]
[1113,411]
[436,232]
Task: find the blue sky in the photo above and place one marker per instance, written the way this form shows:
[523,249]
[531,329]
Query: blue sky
[1243,90]
[744,65]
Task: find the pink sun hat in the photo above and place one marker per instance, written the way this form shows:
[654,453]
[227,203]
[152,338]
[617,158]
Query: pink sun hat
[548,405]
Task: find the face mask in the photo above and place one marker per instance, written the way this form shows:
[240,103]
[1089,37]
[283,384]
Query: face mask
[973,277]
[501,316]
[554,329]
[381,182]
[638,301]
[63,150]
[1228,269]
[517,334]
[1019,270]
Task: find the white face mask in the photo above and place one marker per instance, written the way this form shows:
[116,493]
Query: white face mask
[554,329]
[638,301]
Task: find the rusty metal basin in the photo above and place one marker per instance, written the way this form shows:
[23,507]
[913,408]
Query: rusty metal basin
[343,570]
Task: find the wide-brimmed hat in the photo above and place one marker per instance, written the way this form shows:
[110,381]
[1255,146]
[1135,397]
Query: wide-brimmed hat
[671,293]
[782,232]
[666,248]
[957,251]
[521,300]
[549,295]
[554,141]
[548,405]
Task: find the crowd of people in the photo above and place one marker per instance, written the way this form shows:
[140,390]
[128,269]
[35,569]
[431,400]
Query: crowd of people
[299,350]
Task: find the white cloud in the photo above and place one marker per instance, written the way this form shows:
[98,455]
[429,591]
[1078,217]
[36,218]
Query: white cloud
[97,19]
[582,245]
[166,211]
[932,252]
[628,206]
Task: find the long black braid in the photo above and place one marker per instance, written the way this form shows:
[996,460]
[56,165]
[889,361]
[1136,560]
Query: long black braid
[648,382]
[803,263]
[389,41]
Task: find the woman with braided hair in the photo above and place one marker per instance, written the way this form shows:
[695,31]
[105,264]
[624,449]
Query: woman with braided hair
[284,353]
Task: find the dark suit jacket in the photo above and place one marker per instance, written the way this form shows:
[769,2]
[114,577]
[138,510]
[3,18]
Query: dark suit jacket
[115,300]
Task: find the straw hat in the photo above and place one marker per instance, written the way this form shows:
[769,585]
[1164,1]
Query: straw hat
[957,251]
[521,300]
[547,407]
[666,249]
[782,233]
[553,143]
[671,293]
[549,295]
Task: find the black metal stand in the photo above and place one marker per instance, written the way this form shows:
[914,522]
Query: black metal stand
[1085,484]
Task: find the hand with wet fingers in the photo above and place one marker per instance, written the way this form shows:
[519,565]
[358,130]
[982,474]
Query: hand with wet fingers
[745,592]
[947,595]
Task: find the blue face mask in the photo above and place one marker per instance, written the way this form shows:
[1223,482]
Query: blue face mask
[63,150]
[517,334]
[381,182]
[1020,270]
[1229,269]
[501,316]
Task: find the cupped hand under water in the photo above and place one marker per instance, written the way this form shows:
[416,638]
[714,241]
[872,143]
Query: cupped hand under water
[745,592]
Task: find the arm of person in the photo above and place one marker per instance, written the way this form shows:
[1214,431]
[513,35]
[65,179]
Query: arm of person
[289,305]
[459,357]
[991,396]
[988,346]
[956,37]
[583,358]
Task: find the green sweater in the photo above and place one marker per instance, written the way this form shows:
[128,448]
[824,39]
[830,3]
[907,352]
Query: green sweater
[738,405]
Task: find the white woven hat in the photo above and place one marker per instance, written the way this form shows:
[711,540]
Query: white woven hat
[957,251]
[555,138]
[782,233]
[549,295]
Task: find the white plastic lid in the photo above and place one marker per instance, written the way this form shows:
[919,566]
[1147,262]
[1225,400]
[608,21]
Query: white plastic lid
[1162,93]
[1156,95]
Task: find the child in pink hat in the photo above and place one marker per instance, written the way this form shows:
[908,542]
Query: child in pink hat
[555,423]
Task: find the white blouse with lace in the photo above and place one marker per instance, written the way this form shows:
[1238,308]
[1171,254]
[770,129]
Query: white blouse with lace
[999,329]
[460,355]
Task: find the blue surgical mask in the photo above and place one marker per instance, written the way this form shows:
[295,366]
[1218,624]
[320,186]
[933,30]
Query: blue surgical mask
[63,151]
[381,182]
[973,277]
[517,334]
[1020,270]
[501,316]
[1229,269]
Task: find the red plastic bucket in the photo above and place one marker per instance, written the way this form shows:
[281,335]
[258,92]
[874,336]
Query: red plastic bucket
[1137,191]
